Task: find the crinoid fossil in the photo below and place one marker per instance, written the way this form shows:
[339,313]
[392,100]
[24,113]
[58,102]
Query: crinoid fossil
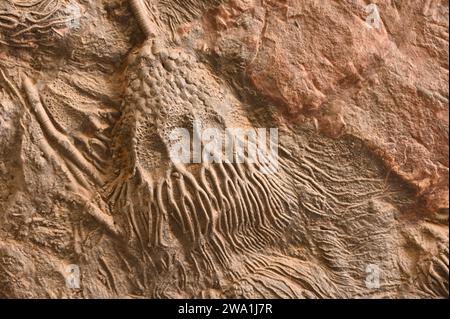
[143,158]
[196,221]
[35,23]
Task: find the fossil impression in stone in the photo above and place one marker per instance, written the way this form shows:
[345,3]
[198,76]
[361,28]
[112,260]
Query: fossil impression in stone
[89,178]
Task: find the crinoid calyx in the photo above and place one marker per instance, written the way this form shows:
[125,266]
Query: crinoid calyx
[198,221]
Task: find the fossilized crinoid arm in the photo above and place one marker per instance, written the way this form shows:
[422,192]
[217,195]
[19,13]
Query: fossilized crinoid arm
[147,17]
[80,166]
[60,140]
[33,23]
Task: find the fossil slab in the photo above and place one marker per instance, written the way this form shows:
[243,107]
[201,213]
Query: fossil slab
[94,203]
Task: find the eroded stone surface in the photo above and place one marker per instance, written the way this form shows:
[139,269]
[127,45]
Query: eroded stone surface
[92,89]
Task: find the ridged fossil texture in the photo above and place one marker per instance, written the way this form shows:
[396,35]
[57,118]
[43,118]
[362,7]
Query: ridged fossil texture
[92,92]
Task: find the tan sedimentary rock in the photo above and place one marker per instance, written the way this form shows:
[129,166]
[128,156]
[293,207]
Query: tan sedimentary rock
[91,92]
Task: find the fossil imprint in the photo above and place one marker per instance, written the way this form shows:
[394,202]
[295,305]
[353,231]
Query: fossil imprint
[208,229]
[212,212]
[208,213]
[29,24]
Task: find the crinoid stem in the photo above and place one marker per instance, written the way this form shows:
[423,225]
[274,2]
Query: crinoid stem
[62,141]
[12,87]
[148,27]
[104,219]
[27,4]
[89,206]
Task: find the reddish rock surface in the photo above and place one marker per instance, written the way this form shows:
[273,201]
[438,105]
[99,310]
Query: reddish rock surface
[90,92]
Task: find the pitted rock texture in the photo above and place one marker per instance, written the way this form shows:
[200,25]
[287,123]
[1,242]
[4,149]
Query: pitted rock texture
[91,91]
